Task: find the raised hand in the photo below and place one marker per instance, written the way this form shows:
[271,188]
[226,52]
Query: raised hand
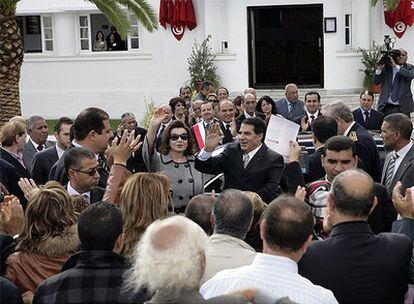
[213,137]
[233,128]
[304,123]
[123,148]
[158,117]
[28,187]
[12,216]
[294,151]
[403,205]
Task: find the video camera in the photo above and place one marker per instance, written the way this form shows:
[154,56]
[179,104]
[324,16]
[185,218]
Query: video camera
[389,52]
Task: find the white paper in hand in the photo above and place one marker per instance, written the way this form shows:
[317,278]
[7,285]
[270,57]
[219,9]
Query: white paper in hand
[279,132]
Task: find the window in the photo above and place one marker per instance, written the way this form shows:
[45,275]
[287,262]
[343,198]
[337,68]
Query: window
[134,36]
[84,33]
[348,29]
[37,33]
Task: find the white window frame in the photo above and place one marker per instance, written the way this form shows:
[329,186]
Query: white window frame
[43,36]
[88,16]
[130,37]
[348,29]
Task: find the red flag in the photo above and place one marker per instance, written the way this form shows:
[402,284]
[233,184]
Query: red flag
[177,27]
[401,17]
[170,12]
[182,14]
[190,15]
[164,13]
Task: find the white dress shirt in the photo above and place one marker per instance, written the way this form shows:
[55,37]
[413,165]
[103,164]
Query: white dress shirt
[401,154]
[59,151]
[273,274]
[35,144]
[73,192]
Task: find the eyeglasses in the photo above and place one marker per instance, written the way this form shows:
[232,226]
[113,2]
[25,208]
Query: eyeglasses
[183,136]
[212,100]
[90,172]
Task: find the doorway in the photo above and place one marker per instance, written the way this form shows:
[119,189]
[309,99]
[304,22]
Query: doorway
[285,46]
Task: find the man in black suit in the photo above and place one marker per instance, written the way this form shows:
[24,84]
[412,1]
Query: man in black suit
[164,124]
[323,128]
[227,111]
[312,111]
[44,160]
[82,168]
[365,115]
[249,104]
[399,164]
[38,133]
[91,131]
[367,150]
[248,165]
[356,265]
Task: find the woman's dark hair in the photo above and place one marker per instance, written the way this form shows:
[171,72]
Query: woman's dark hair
[173,102]
[96,36]
[269,100]
[165,142]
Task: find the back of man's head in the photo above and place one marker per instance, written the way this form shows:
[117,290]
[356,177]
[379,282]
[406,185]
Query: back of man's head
[339,143]
[353,193]
[288,223]
[169,255]
[232,213]
[90,119]
[99,226]
[400,123]
[324,127]
[199,210]
[338,109]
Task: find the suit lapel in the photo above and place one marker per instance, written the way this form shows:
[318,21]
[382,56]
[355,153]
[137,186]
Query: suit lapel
[407,161]
[256,158]
[384,170]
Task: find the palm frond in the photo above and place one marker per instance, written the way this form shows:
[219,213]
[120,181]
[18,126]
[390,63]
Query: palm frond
[390,4]
[143,11]
[8,6]
[115,14]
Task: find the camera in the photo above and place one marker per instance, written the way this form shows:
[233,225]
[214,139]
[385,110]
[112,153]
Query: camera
[390,52]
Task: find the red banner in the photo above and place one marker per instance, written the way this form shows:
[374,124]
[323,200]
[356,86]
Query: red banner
[401,17]
[179,14]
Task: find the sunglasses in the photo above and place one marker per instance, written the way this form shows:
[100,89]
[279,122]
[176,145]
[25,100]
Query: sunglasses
[212,100]
[183,136]
[90,172]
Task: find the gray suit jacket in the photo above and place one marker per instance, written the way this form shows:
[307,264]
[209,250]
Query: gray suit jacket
[405,97]
[297,110]
[29,152]
[404,173]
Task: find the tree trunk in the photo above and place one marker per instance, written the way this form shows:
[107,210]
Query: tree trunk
[11,59]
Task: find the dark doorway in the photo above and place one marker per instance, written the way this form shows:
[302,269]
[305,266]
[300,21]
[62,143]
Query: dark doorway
[285,45]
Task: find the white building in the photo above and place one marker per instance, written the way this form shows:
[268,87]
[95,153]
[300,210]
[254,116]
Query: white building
[260,43]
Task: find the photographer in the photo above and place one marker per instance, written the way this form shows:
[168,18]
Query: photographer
[395,76]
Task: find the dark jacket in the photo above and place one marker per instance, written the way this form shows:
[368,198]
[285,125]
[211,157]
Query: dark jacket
[86,277]
[374,121]
[242,117]
[7,247]
[358,266]
[43,161]
[9,293]
[9,179]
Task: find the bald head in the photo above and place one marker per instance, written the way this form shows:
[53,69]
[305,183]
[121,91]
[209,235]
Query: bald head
[251,91]
[353,193]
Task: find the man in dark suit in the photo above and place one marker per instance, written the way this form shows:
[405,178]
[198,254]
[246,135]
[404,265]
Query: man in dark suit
[290,106]
[365,115]
[323,128]
[248,165]
[38,132]
[82,168]
[399,164]
[367,150]
[44,160]
[356,265]
[249,104]
[395,78]
[312,111]
[93,132]
[164,124]
[227,111]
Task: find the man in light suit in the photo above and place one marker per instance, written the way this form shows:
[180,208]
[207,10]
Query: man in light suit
[38,132]
[358,266]
[44,160]
[365,115]
[248,165]
[395,78]
[290,107]
[399,164]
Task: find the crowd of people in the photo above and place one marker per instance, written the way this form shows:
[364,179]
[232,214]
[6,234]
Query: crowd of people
[121,216]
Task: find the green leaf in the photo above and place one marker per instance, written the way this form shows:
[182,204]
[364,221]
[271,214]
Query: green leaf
[390,4]
[143,11]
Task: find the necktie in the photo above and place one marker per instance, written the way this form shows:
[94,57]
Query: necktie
[390,171]
[312,117]
[246,159]
[102,164]
[394,89]
[39,147]
[161,130]
[366,113]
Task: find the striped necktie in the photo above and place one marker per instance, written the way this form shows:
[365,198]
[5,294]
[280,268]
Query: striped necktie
[390,171]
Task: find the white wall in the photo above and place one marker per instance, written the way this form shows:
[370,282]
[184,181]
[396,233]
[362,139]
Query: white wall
[67,81]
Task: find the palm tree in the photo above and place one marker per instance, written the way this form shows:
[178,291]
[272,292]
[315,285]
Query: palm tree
[391,4]
[11,44]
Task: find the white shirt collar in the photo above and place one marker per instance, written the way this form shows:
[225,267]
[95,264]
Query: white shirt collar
[349,129]
[247,115]
[403,151]
[59,151]
[253,152]
[35,144]
[80,146]
[73,192]
[275,262]
[363,111]
[314,114]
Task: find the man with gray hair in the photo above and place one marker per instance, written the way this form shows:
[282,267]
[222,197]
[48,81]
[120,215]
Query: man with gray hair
[231,217]
[358,266]
[290,107]
[366,148]
[38,132]
[169,260]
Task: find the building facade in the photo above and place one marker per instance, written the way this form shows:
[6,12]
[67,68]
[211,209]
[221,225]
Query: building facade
[260,43]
